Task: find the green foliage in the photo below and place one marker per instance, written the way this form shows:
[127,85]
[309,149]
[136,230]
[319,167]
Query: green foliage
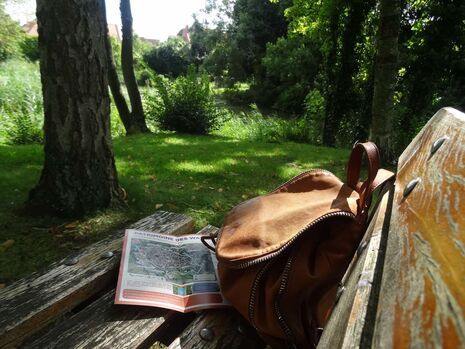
[30,48]
[11,36]
[289,70]
[432,66]
[21,108]
[314,116]
[116,125]
[142,71]
[237,95]
[170,58]
[116,48]
[240,40]
[252,126]
[23,129]
[184,105]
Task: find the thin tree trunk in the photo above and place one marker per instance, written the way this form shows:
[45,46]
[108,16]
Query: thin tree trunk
[115,86]
[385,77]
[79,174]
[116,91]
[127,64]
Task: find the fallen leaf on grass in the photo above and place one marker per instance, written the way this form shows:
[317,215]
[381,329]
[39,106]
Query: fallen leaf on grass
[294,164]
[72,225]
[8,243]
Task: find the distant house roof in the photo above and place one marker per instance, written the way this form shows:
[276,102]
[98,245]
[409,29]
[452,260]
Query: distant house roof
[113,31]
[184,33]
[30,28]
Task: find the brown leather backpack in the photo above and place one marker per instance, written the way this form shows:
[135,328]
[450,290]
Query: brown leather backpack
[282,255]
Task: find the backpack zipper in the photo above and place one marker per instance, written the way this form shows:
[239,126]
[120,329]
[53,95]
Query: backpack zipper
[282,322]
[253,293]
[286,271]
[247,264]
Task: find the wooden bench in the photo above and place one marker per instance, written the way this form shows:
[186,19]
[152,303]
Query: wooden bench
[404,288]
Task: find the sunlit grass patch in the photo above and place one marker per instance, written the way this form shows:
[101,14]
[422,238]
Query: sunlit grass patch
[201,176]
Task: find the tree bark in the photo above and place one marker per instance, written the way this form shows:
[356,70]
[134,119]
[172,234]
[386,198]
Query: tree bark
[385,77]
[127,65]
[79,174]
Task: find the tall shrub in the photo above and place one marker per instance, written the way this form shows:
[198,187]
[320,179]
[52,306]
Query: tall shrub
[185,105]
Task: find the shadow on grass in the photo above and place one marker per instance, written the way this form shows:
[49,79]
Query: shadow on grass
[202,176]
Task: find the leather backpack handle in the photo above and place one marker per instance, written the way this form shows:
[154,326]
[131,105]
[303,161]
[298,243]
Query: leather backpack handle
[354,169]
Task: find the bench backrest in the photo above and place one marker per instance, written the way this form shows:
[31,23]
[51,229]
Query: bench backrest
[407,288]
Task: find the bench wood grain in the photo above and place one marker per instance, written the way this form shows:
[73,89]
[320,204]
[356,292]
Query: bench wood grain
[30,304]
[422,297]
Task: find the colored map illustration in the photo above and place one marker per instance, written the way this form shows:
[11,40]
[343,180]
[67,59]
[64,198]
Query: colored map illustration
[186,264]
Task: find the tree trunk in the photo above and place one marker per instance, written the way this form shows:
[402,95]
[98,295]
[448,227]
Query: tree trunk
[79,174]
[127,65]
[385,77]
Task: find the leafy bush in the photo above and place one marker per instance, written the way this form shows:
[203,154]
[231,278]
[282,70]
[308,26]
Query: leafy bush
[21,109]
[30,48]
[184,105]
[169,59]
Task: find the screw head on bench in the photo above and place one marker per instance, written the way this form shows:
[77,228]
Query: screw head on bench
[361,247]
[437,144]
[410,186]
[339,292]
[206,334]
[108,254]
[71,261]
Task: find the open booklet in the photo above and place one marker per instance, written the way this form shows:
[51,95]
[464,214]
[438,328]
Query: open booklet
[174,272]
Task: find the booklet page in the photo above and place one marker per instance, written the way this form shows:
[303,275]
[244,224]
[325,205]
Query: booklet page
[174,272]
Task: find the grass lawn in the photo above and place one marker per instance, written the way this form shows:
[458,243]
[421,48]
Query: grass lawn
[200,176]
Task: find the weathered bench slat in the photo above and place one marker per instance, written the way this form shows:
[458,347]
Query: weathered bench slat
[345,326]
[422,297]
[106,325]
[227,329]
[28,305]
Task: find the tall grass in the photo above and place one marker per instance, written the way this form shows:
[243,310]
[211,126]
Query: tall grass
[21,108]
[253,126]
